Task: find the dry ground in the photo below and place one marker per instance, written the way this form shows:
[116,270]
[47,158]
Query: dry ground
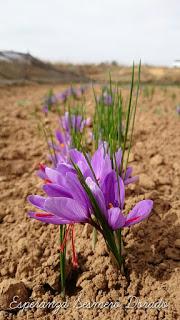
[29,249]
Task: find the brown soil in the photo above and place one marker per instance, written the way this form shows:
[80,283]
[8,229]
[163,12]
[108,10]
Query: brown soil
[29,249]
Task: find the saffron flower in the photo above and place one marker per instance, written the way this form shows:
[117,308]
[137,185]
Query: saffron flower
[107,99]
[73,122]
[88,190]
[101,164]
[68,202]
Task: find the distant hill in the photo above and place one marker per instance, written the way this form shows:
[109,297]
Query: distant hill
[16,67]
[22,68]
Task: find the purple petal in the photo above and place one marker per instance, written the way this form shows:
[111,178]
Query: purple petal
[108,188]
[77,156]
[64,168]
[101,163]
[77,191]
[60,136]
[37,201]
[67,209]
[54,176]
[55,190]
[88,121]
[51,219]
[120,192]
[116,219]
[128,173]
[131,180]
[41,174]
[118,156]
[98,195]
[140,212]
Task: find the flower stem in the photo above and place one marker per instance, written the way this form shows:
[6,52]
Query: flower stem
[94,237]
[119,243]
[62,261]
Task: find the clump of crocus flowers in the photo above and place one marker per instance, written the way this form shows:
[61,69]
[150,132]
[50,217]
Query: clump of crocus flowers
[91,190]
[69,188]
[53,100]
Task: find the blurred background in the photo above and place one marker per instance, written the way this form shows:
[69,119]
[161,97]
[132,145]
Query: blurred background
[86,32]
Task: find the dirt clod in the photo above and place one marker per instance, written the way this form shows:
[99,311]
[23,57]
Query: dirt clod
[9,289]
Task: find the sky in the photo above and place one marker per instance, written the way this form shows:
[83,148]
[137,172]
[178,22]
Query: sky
[93,31]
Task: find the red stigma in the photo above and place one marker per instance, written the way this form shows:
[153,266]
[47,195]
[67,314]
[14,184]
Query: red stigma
[42,166]
[133,219]
[47,181]
[62,246]
[43,215]
[74,257]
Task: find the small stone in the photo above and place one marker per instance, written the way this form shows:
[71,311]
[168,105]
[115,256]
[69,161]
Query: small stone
[3,315]
[163,180]
[9,219]
[53,281]
[156,160]
[177,243]
[10,288]
[12,268]
[146,182]
[172,253]
[154,194]
[4,272]
[100,282]
[19,169]
[163,243]
[131,157]
[22,245]
[141,233]
[87,230]
[163,266]
[2,249]
[88,275]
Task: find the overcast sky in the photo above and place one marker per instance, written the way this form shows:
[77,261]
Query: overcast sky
[93,30]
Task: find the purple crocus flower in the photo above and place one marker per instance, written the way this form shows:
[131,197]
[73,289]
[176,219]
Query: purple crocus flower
[75,122]
[45,109]
[113,214]
[68,202]
[61,97]
[101,164]
[107,99]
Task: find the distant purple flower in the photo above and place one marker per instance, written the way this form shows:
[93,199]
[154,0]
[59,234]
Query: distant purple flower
[178,109]
[45,109]
[75,122]
[107,99]
[50,100]
[61,97]
[53,99]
